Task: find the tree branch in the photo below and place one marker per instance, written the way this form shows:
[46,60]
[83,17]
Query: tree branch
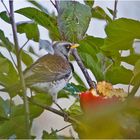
[84,70]
[115,9]
[62,114]
[14,29]
[5,7]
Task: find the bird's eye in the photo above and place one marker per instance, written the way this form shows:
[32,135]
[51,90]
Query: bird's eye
[68,47]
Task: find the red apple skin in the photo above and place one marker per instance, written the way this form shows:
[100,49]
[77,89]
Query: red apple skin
[88,101]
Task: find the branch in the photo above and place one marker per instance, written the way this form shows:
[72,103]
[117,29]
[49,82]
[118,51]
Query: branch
[84,70]
[5,7]
[14,30]
[23,46]
[115,9]
[134,90]
[57,5]
[62,114]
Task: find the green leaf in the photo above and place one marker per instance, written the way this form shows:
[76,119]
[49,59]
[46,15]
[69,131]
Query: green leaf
[26,58]
[8,74]
[121,34]
[30,29]
[63,94]
[131,59]
[73,20]
[89,2]
[14,126]
[42,19]
[4,109]
[78,79]
[38,5]
[4,16]
[94,66]
[6,41]
[43,98]
[52,135]
[99,13]
[75,109]
[110,11]
[119,74]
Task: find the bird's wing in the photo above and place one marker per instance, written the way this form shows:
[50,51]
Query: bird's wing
[46,69]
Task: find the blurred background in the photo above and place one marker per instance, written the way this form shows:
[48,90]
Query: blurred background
[48,120]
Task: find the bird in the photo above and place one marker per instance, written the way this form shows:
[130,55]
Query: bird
[51,72]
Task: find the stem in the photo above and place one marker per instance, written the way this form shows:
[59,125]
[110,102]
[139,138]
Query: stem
[62,114]
[17,48]
[115,9]
[134,90]
[63,128]
[84,70]
[57,5]
[5,7]
[23,46]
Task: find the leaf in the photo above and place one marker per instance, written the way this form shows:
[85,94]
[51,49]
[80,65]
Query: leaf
[131,59]
[6,41]
[45,44]
[52,135]
[119,74]
[110,11]
[43,98]
[8,74]
[38,5]
[75,109]
[26,58]
[121,34]
[99,13]
[4,109]
[14,126]
[89,2]
[42,19]
[4,16]
[93,65]
[78,79]
[30,29]
[63,94]
[73,20]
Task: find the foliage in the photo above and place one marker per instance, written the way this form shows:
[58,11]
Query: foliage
[103,56]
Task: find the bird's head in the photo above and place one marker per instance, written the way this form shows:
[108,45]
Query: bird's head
[64,48]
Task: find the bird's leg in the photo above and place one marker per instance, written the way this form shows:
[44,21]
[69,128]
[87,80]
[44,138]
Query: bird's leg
[65,114]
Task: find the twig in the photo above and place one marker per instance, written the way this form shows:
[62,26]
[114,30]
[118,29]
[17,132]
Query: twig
[57,5]
[23,46]
[115,9]
[62,114]
[63,128]
[53,4]
[84,70]
[12,58]
[19,66]
[134,90]
[5,7]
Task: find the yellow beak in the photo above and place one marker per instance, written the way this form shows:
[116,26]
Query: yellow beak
[74,46]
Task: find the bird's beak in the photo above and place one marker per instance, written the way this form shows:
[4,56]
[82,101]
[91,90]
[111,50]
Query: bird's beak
[74,46]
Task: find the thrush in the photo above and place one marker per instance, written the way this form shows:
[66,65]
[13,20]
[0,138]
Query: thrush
[51,72]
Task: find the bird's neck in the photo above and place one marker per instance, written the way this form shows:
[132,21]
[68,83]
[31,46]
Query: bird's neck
[61,54]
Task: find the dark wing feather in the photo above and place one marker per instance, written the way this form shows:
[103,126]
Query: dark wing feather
[46,69]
